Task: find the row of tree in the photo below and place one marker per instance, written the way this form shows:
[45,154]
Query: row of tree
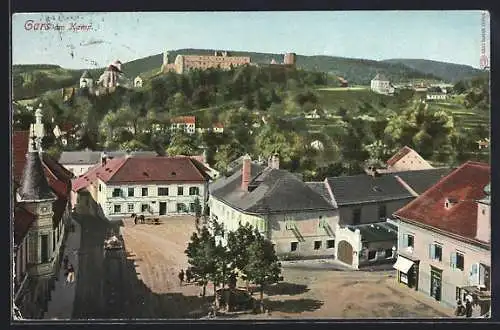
[245,254]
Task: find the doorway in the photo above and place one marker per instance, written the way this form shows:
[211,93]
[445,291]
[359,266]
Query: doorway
[436,283]
[163,208]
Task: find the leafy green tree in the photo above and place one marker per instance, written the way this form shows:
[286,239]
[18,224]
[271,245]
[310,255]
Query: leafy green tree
[238,242]
[200,252]
[263,267]
[182,143]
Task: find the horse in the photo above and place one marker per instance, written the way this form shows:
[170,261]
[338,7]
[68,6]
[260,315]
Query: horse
[142,218]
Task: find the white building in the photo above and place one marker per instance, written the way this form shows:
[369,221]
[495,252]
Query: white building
[186,123]
[152,186]
[138,82]
[436,96]
[380,84]
[444,238]
[299,220]
[86,80]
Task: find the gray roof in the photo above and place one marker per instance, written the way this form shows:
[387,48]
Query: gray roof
[271,191]
[320,188]
[86,74]
[377,232]
[93,157]
[380,77]
[422,180]
[364,188]
[34,185]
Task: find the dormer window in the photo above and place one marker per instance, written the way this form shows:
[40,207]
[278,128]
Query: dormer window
[449,202]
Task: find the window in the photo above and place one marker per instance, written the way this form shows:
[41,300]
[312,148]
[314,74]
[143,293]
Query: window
[144,207]
[317,245]
[436,251]
[194,191]
[409,241]
[457,260]
[372,254]
[53,241]
[483,212]
[117,192]
[356,216]
[130,192]
[382,211]
[144,191]
[130,207]
[45,248]
[192,207]
[100,187]
[330,244]
[180,191]
[117,208]
[294,246]
[162,191]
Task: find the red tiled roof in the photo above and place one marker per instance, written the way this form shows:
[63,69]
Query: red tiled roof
[466,185]
[22,223]
[184,120]
[157,169]
[218,125]
[103,172]
[400,154]
[143,169]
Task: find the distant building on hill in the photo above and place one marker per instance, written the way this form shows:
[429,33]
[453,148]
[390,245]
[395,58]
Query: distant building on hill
[138,82]
[86,80]
[220,59]
[381,85]
[186,123]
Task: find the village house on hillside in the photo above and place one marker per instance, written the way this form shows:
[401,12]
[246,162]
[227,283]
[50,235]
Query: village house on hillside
[407,159]
[444,238]
[138,82]
[157,186]
[41,188]
[185,123]
[86,80]
[297,219]
[381,85]
[365,204]
[436,93]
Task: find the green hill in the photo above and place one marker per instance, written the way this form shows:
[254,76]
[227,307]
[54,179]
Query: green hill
[32,80]
[447,71]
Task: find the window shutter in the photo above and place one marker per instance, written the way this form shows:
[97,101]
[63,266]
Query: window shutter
[405,240]
[453,260]
[433,251]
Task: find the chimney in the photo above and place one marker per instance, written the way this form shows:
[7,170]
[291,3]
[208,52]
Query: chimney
[246,172]
[104,159]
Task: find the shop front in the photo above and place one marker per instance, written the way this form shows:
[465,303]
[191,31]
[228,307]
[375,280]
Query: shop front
[407,271]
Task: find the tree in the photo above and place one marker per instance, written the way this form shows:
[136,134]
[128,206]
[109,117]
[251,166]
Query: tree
[182,143]
[200,251]
[263,267]
[238,242]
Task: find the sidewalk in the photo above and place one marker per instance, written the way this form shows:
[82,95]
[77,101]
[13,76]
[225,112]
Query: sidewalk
[63,295]
[421,297]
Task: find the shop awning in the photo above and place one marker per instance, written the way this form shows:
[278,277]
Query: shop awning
[403,264]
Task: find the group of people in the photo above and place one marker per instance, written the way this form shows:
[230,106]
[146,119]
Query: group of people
[187,276]
[69,270]
[470,309]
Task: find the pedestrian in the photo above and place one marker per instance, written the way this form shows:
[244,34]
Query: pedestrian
[71,274]
[188,275]
[460,310]
[135,220]
[468,308]
[181,277]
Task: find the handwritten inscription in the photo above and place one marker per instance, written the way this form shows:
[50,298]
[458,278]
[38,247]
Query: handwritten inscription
[31,25]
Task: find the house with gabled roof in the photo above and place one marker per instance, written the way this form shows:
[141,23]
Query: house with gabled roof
[184,123]
[149,186]
[365,202]
[407,159]
[381,84]
[296,217]
[444,234]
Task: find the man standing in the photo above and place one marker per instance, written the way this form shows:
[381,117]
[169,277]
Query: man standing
[181,277]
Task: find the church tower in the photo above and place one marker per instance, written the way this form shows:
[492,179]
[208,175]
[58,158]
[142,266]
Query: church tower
[37,197]
[37,131]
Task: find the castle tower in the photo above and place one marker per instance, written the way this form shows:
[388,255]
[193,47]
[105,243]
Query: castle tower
[37,131]
[290,59]
[37,197]
[165,58]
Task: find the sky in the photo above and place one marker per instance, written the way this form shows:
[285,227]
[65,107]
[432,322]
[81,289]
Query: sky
[448,36]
